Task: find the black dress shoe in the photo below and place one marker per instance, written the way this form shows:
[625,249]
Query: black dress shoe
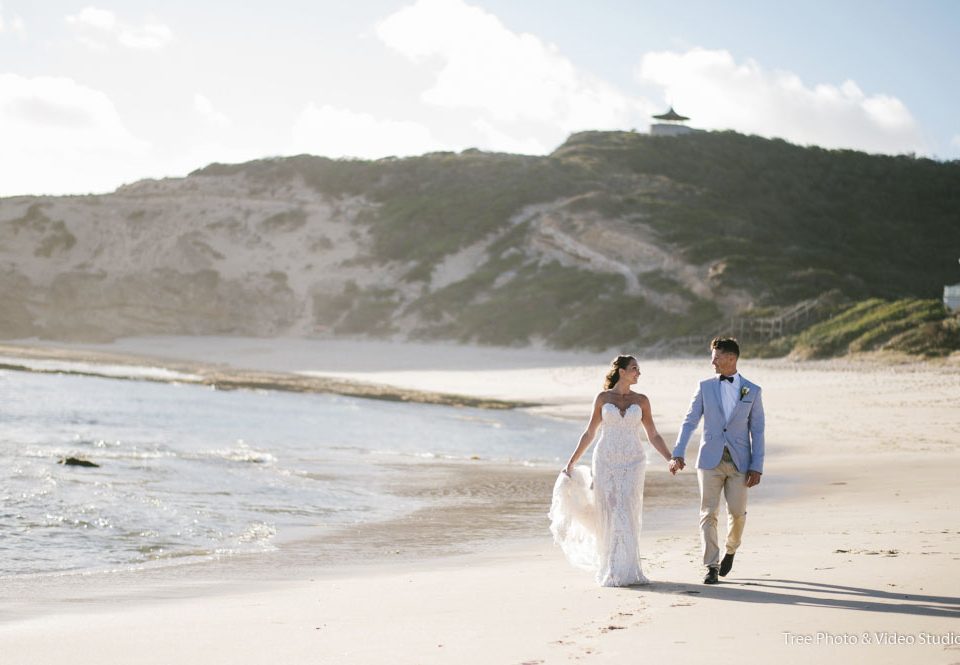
[726,565]
[711,577]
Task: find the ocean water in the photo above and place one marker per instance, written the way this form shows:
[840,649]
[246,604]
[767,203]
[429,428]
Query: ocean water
[188,472]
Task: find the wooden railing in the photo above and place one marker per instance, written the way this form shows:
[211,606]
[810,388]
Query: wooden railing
[785,322]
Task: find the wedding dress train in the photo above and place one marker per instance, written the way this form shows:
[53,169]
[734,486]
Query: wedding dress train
[596,514]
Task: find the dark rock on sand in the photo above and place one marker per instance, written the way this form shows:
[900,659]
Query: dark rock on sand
[75,461]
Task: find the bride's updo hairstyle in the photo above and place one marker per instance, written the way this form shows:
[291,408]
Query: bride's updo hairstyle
[617,364]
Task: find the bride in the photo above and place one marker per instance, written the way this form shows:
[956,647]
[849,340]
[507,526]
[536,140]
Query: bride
[595,515]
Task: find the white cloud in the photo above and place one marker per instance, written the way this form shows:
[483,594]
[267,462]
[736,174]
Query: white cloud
[16,24]
[335,132]
[60,136]
[150,36]
[955,141]
[510,77]
[719,93]
[99,28]
[205,108]
[499,141]
[91,17]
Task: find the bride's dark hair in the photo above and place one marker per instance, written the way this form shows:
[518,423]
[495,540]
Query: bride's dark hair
[617,364]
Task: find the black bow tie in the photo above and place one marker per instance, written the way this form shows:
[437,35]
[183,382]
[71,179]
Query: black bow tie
[726,378]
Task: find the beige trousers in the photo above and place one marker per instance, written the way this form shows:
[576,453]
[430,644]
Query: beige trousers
[726,478]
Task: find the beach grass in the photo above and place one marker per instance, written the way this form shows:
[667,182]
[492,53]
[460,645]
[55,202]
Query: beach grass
[921,327]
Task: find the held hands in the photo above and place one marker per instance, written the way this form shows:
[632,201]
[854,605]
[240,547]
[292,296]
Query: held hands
[753,478]
[676,464]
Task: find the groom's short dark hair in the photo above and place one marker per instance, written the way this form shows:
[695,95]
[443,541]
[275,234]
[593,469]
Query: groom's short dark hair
[725,345]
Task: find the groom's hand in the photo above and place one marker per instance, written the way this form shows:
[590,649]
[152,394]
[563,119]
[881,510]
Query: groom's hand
[676,464]
[753,478]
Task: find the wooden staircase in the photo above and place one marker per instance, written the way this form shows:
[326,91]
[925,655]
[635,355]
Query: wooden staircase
[764,328]
[784,323]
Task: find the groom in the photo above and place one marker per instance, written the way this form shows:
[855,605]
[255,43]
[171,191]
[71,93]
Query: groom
[731,451]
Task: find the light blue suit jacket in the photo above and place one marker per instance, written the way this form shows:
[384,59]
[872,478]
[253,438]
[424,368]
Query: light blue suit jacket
[742,434]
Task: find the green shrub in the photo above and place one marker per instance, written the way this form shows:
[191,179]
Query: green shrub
[931,339]
[867,326]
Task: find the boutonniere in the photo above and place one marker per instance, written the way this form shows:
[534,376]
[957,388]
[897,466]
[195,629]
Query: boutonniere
[744,392]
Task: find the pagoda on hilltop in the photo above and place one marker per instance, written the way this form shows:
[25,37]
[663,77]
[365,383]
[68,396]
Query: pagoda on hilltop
[670,124]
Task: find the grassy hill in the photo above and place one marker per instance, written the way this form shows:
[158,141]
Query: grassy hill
[616,239]
[775,222]
[789,222]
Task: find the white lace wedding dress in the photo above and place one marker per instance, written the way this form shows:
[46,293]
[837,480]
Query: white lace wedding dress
[596,515]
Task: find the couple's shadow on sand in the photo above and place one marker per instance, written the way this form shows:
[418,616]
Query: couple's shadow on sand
[814,594]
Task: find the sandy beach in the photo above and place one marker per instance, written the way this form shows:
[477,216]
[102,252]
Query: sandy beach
[850,551]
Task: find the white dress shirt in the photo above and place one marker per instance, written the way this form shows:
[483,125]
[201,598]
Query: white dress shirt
[729,394]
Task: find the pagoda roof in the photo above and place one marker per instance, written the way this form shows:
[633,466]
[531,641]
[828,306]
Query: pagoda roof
[671,115]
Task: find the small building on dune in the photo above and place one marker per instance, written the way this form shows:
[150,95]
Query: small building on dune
[671,124]
[951,298]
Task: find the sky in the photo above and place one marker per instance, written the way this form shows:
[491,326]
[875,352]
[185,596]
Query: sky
[94,96]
